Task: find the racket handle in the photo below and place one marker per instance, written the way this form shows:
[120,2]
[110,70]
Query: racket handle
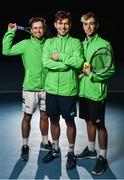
[11,25]
[20,28]
[80,75]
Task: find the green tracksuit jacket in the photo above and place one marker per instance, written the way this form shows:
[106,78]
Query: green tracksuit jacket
[93,86]
[62,74]
[31,53]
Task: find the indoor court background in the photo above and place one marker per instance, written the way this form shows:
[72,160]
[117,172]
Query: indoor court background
[11,77]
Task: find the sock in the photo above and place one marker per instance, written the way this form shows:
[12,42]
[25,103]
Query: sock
[25,141]
[56,144]
[45,139]
[91,146]
[71,148]
[102,152]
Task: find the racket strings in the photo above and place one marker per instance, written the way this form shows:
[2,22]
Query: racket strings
[22,28]
[101,61]
[27,29]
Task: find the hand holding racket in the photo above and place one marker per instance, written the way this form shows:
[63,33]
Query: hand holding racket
[100,61]
[15,27]
[12,26]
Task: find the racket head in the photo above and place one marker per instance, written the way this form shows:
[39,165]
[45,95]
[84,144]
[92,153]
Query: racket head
[27,29]
[101,60]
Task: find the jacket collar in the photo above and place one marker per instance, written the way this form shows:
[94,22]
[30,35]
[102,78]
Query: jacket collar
[64,37]
[92,38]
[40,41]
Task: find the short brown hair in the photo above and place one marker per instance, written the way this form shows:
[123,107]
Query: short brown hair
[88,15]
[60,15]
[36,19]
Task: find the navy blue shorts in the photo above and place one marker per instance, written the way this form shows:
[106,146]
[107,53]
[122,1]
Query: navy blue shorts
[92,111]
[61,105]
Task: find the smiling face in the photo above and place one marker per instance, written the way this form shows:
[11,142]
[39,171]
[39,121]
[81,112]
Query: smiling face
[90,27]
[37,29]
[62,22]
[62,26]
[90,24]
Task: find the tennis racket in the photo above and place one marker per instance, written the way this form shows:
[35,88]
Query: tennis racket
[100,61]
[12,25]
[23,28]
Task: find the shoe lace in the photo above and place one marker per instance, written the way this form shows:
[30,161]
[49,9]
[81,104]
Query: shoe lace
[100,161]
[25,149]
[71,157]
[49,143]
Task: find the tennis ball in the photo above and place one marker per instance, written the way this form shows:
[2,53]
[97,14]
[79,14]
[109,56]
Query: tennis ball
[86,64]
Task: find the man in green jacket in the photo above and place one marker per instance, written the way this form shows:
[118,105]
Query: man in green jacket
[93,93]
[33,85]
[62,56]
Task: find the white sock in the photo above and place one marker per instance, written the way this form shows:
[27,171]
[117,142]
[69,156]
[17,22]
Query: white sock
[45,139]
[102,152]
[71,148]
[25,141]
[91,146]
[56,144]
